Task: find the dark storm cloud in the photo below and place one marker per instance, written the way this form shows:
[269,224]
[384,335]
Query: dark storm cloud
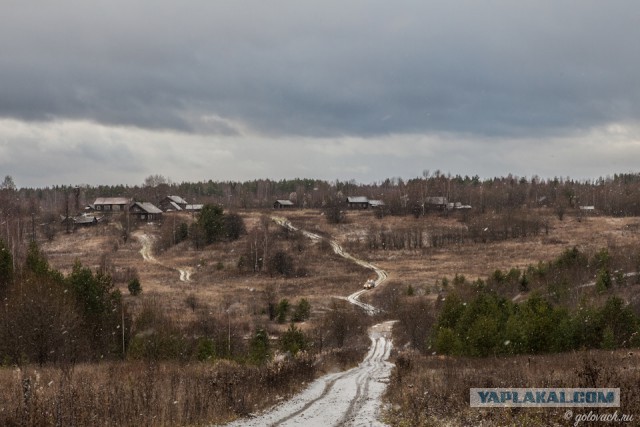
[323,69]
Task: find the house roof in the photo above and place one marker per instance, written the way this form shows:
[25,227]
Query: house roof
[177,199]
[85,219]
[193,207]
[285,202]
[149,208]
[112,201]
[439,200]
[374,203]
[358,199]
[174,206]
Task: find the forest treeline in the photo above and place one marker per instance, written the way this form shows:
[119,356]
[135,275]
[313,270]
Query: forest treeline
[613,195]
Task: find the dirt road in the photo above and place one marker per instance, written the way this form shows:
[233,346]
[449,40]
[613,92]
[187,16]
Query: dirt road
[349,398]
[353,298]
[147,254]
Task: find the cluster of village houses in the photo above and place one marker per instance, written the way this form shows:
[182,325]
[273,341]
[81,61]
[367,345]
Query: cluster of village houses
[144,211]
[361,202]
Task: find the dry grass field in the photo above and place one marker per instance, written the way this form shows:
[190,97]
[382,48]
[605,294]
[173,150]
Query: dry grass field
[216,281]
[216,284]
[434,391]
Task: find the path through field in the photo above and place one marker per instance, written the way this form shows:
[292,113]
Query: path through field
[353,298]
[349,398]
[147,254]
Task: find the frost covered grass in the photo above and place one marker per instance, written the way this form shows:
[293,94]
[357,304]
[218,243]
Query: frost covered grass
[434,390]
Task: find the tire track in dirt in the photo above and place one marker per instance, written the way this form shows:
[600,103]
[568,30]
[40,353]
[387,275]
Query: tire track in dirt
[354,297]
[147,254]
[349,398]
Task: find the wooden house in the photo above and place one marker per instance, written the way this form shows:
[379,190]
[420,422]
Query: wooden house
[357,202]
[282,204]
[111,204]
[145,211]
[173,204]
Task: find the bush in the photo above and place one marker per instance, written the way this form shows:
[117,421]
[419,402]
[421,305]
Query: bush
[259,351]
[302,311]
[281,263]
[134,287]
[293,340]
[282,310]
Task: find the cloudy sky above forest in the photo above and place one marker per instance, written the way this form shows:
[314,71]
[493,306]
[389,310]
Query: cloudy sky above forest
[113,91]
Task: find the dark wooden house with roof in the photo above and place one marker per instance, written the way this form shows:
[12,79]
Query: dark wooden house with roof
[357,202]
[112,204]
[145,211]
[173,204]
[282,204]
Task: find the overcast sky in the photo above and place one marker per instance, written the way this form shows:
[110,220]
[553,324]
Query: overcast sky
[107,92]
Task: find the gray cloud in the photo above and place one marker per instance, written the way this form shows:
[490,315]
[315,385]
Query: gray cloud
[110,91]
[290,68]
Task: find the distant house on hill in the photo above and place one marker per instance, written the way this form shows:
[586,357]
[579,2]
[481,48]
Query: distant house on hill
[588,210]
[376,204]
[111,204]
[173,204]
[82,220]
[358,202]
[437,202]
[283,204]
[145,211]
[193,208]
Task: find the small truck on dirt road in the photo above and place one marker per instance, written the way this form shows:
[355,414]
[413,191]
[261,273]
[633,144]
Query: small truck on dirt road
[370,284]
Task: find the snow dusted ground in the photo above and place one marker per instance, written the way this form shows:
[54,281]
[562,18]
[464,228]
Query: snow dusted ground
[349,398]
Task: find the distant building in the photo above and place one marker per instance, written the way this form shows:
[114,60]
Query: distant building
[438,202]
[282,204]
[111,204]
[145,211]
[357,202]
[376,203]
[82,220]
[173,204]
[193,208]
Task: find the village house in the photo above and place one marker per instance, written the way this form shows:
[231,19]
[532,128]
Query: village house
[173,204]
[282,204]
[359,202]
[438,202]
[376,204]
[83,220]
[145,211]
[111,204]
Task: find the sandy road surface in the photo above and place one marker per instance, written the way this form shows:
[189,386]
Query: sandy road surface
[349,398]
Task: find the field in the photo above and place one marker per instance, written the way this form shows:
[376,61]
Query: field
[187,284]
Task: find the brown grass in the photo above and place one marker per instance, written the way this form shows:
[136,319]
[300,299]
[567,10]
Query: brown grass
[218,289]
[434,390]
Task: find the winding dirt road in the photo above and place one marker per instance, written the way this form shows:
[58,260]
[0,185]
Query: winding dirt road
[147,254]
[353,298]
[349,398]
